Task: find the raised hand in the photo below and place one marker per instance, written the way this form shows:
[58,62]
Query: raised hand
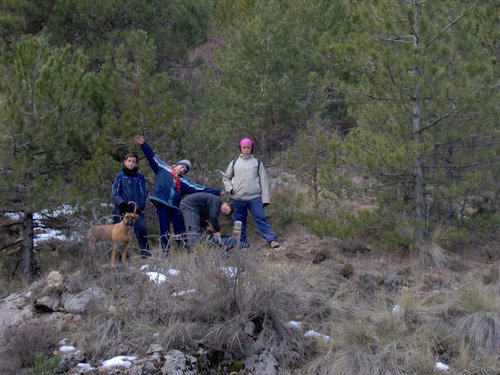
[139,139]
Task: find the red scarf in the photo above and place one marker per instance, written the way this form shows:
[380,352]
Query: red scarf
[177,179]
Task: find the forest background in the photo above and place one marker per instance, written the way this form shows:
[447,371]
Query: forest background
[392,105]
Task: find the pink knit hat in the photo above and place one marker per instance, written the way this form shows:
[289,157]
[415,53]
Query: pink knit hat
[246,142]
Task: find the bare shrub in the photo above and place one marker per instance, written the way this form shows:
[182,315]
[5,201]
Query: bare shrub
[345,302]
[415,307]
[78,281]
[63,255]
[479,319]
[125,321]
[373,342]
[101,334]
[21,344]
[231,306]
[365,352]
[432,255]
[482,330]
[425,345]
[472,362]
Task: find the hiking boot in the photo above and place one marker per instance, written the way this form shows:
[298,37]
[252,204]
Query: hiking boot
[274,245]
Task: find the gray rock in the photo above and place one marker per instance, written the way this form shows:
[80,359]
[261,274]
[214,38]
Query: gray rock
[77,304]
[15,308]
[263,363]
[178,363]
[47,304]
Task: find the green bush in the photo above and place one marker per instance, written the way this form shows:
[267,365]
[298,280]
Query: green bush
[43,365]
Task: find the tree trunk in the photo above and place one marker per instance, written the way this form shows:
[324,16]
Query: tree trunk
[420,210]
[315,187]
[27,245]
[450,214]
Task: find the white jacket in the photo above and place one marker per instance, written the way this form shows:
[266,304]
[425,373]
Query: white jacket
[245,179]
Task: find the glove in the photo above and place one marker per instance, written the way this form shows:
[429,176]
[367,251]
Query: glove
[127,207]
[265,204]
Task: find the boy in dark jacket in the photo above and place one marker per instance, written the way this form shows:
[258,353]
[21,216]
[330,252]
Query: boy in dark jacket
[170,185]
[129,186]
[199,208]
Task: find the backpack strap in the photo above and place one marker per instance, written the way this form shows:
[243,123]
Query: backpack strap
[258,166]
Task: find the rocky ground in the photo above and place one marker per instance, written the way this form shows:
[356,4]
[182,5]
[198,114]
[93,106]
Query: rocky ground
[366,268]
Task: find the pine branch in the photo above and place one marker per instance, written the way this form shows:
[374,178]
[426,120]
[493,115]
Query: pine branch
[452,23]
[464,166]
[438,120]
[5,247]
[360,190]
[10,225]
[396,39]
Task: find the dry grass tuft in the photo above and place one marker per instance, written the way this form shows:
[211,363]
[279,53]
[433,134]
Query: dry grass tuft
[242,310]
[482,330]
[432,255]
[367,347]
[240,305]
[415,307]
[476,297]
[479,316]
[472,362]
[230,304]
[424,346]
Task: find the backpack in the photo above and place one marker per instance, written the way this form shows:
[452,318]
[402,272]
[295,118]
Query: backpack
[258,166]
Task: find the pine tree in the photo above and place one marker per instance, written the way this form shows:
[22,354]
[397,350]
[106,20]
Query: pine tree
[96,27]
[307,156]
[47,130]
[262,84]
[425,103]
[137,99]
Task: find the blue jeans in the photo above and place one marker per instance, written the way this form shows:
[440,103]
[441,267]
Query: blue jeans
[256,208]
[167,215]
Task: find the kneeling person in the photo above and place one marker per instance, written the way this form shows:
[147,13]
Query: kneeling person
[200,208]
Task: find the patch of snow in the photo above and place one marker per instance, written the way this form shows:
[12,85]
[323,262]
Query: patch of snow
[398,310]
[230,271]
[45,234]
[48,234]
[64,209]
[183,292]
[442,366]
[14,215]
[173,272]
[294,324]
[67,349]
[120,361]
[313,333]
[156,277]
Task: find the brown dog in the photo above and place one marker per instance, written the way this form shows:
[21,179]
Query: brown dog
[120,233]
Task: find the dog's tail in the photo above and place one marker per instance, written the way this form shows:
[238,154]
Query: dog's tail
[135,206]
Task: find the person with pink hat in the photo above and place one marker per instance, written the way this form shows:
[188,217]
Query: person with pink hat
[245,180]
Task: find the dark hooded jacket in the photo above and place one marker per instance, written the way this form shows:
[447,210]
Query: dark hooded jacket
[128,186]
[168,189]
